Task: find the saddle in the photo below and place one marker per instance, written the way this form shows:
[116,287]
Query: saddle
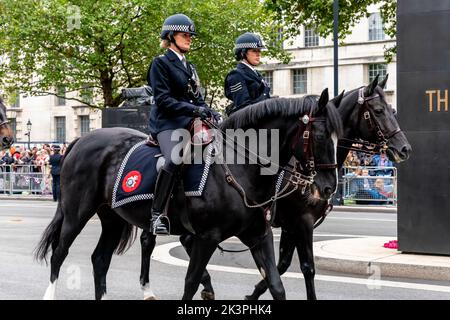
[201,134]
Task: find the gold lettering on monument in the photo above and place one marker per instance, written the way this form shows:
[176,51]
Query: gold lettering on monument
[441,100]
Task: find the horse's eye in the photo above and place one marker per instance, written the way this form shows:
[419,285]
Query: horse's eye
[320,137]
[378,111]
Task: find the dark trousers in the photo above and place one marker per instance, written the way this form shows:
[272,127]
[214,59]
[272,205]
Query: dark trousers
[56,189]
[166,145]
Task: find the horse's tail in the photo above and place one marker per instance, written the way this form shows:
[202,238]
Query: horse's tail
[50,237]
[129,234]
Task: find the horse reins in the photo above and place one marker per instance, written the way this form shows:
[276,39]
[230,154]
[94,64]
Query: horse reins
[373,125]
[296,177]
[299,178]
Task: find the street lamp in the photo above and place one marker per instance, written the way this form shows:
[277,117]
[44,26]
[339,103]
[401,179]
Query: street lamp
[29,124]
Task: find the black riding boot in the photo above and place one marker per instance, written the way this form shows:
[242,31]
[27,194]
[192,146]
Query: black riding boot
[159,223]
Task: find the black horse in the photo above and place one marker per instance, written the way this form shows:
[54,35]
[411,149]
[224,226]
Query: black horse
[91,163]
[367,119]
[6,133]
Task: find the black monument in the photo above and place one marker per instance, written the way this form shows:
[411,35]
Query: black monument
[423,86]
[134,113]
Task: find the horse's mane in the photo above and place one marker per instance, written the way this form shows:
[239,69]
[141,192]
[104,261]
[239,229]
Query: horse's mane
[282,107]
[277,107]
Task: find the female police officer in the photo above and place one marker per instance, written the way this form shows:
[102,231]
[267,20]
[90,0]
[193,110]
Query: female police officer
[176,89]
[245,85]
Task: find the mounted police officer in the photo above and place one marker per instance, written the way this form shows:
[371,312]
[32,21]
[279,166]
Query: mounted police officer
[245,85]
[178,99]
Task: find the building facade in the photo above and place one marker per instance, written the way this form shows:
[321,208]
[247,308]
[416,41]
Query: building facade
[361,58]
[51,119]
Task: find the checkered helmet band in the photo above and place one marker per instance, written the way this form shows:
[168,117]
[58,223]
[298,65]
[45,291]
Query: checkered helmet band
[179,28]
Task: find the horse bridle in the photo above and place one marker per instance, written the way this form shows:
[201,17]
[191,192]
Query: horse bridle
[304,130]
[4,122]
[373,125]
[297,176]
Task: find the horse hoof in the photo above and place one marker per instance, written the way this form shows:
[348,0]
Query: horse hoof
[250,297]
[206,295]
[151,298]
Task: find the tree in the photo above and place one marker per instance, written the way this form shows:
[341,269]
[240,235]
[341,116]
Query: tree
[108,45]
[318,14]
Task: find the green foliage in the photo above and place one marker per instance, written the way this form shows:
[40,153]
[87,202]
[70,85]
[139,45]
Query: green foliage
[110,43]
[318,14]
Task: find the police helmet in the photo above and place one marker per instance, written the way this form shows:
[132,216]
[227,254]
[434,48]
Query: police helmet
[55,147]
[247,41]
[177,23]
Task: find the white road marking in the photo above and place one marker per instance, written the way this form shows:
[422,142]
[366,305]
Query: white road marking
[361,219]
[27,205]
[319,234]
[161,254]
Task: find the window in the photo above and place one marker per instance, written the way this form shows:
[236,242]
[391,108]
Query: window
[86,94]
[375,69]
[278,38]
[299,79]
[60,129]
[375,27]
[16,103]
[311,38]
[268,77]
[61,96]
[84,125]
[13,125]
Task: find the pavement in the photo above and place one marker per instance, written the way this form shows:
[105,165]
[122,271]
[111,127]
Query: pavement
[364,255]
[369,256]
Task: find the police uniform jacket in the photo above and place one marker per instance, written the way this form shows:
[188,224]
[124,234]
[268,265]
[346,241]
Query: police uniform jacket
[176,92]
[55,162]
[244,87]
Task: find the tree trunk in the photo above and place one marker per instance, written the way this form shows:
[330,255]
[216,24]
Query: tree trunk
[106,82]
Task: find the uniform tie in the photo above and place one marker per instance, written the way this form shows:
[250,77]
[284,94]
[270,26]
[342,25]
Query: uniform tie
[183,60]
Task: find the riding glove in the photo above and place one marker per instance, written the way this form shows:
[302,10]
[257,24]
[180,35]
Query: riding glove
[202,112]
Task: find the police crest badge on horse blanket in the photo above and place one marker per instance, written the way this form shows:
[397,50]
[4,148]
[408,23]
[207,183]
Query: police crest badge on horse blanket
[137,175]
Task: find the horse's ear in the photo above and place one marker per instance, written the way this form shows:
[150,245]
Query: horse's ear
[382,84]
[338,99]
[324,98]
[370,89]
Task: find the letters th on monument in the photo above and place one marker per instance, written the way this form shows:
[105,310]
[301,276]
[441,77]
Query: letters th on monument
[423,66]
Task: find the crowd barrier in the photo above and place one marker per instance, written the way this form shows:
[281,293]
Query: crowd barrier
[370,185]
[360,185]
[25,180]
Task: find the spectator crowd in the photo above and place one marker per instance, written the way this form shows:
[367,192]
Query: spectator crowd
[370,178]
[33,163]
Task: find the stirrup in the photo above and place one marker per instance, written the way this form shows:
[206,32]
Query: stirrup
[162,231]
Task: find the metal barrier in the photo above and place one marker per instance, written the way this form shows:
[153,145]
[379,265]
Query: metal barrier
[24,179]
[370,185]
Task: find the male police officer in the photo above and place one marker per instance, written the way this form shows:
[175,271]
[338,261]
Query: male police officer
[55,162]
[245,85]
